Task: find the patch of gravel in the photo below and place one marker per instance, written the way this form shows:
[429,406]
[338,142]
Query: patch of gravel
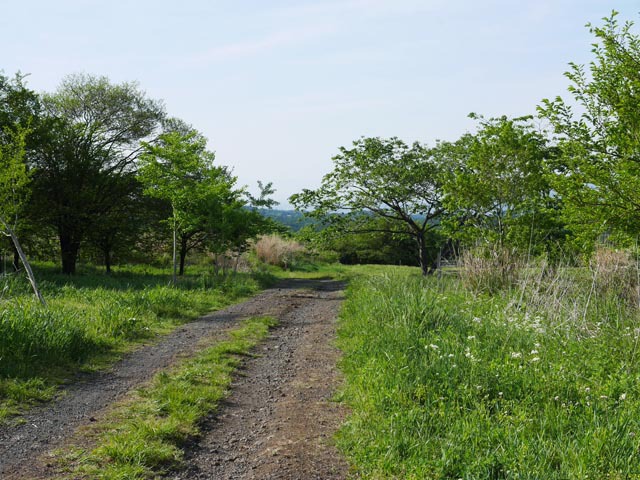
[277,423]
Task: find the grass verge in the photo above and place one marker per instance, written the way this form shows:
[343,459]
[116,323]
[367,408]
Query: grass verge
[538,382]
[143,437]
[91,320]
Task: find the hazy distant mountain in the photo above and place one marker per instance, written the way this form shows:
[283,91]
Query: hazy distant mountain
[290,218]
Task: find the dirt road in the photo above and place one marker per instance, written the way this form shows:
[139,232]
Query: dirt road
[277,422]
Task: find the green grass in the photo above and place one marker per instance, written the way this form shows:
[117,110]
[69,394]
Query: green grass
[310,271]
[539,382]
[143,437]
[91,319]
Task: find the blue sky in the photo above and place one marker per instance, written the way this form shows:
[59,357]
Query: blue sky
[277,86]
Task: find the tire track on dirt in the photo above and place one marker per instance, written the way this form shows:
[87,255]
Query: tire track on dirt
[279,420]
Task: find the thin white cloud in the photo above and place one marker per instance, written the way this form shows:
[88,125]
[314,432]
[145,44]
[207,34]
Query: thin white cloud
[273,41]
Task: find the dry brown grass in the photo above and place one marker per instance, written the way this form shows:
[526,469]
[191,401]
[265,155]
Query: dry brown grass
[616,272]
[275,250]
[490,269]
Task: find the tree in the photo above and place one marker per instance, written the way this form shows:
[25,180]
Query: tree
[497,189]
[179,169]
[20,120]
[14,181]
[95,129]
[598,171]
[384,178]
[122,226]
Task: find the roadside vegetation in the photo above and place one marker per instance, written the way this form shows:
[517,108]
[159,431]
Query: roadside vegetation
[91,319]
[538,379]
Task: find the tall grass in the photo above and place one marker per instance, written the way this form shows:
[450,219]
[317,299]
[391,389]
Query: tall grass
[91,318]
[536,381]
[278,251]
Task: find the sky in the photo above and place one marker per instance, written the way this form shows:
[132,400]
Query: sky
[277,86]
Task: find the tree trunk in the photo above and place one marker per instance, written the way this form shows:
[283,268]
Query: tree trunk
[237,263]
[69,248]
[25,262]
[216,267]
[15,264]
[183,253]
[107,259]
[423,254]
[175,234]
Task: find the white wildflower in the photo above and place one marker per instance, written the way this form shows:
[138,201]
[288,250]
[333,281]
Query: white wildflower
[535,359]
[623,396]
[516,355]
[471,337]
[433,347]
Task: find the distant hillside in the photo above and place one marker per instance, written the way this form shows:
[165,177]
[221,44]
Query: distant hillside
[290,218]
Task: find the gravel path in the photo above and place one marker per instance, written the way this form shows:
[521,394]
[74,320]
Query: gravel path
[277,422]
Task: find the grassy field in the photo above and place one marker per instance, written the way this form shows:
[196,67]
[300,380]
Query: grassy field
[536,381]
[91,319]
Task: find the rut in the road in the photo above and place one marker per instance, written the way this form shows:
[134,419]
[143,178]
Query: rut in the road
[279,420]
[47,427]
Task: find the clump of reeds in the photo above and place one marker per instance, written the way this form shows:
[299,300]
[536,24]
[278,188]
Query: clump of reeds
[615,272]
[490,269]
[275,250]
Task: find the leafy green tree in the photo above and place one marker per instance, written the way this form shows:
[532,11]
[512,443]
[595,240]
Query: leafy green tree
[235,220]
[20,119]
[209,213]
[94,135]
[384,178]
[125,226]
[598,171]
[497,189]
[179,169]
[379,246]
[14,191]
